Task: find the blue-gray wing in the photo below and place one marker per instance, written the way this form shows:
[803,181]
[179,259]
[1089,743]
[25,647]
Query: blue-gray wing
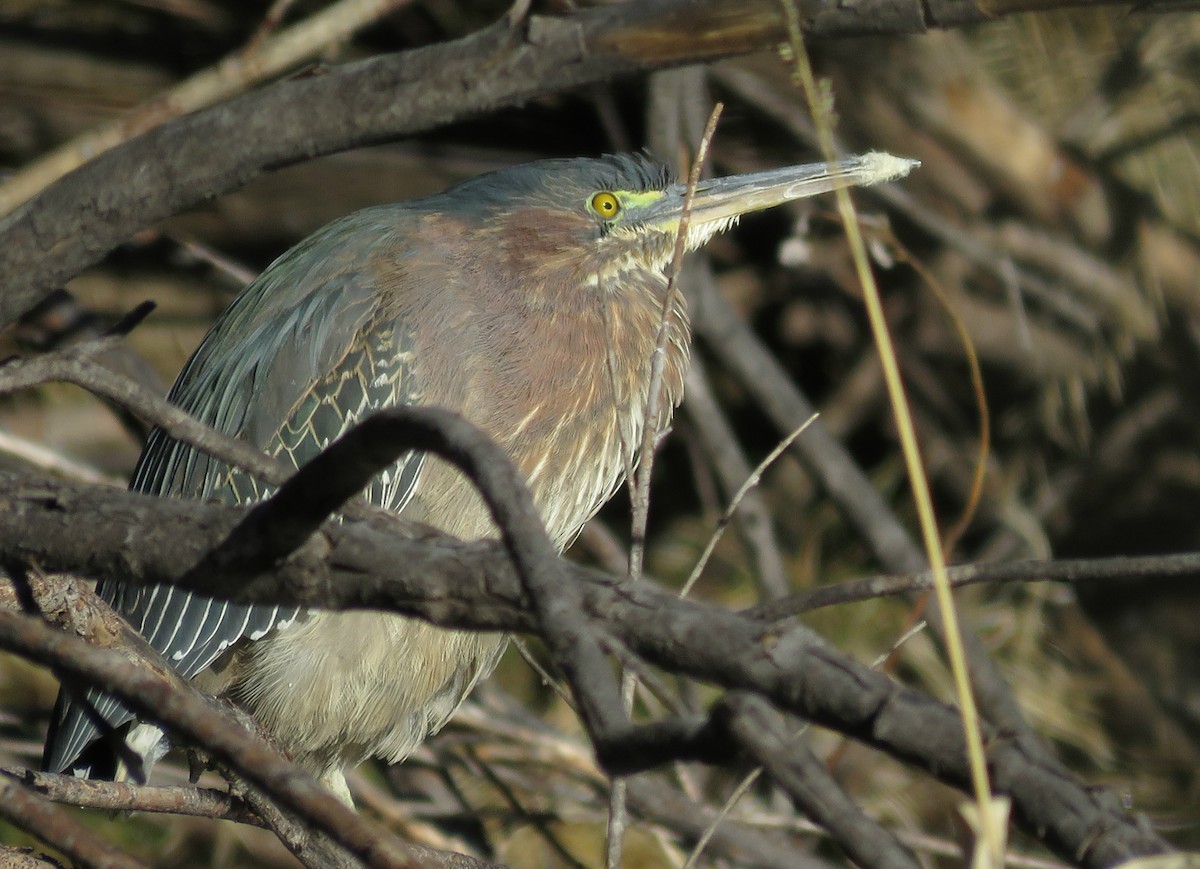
[301,356]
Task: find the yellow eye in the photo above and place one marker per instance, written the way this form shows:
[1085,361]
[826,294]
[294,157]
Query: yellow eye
[606,205]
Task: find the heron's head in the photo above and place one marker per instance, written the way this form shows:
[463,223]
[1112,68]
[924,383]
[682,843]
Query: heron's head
[595,221]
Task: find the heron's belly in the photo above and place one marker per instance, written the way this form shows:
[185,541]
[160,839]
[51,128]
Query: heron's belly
[338,687]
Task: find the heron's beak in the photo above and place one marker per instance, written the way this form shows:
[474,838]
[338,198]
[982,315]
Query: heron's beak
[720,201]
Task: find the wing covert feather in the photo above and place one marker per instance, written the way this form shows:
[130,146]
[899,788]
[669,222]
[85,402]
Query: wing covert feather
[301,356]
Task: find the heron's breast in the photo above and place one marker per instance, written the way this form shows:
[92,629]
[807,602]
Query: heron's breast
[581,423]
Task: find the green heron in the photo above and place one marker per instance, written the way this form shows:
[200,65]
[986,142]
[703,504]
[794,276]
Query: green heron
[528,300]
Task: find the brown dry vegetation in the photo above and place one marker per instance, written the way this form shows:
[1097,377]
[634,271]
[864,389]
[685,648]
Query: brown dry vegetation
[1056,217]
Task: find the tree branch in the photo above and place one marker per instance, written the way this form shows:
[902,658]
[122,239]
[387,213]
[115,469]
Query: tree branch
[102,532]
[52,825]
[763,732]
[77,220]
[128,797]
[204,722]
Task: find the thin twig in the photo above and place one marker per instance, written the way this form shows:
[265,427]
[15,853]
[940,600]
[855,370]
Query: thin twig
[639,484]
[715,437]
[270,23]
[979,471]
[1134,570]
[735,344]
[654,394]
[531,818]
[972,728]
[749,483]
[734,798]
[308,843]
[745,784]
[534,664]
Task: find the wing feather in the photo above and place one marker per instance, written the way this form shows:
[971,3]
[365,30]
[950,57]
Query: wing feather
[302,355]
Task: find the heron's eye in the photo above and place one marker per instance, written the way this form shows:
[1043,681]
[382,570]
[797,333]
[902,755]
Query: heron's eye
[606,205]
